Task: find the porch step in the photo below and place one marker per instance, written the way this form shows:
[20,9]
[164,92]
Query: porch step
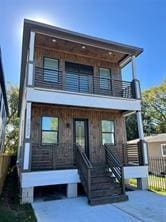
[105,192]
[108,199]
[102,179]
[104,188]
[98,186]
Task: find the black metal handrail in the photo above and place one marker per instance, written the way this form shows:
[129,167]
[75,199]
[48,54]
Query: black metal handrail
[113,163]
[84,167]
[83,83]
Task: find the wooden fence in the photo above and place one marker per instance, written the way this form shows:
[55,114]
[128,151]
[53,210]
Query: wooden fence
[4,165]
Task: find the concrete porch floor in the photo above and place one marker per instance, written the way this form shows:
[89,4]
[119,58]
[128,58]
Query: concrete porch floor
[142,206]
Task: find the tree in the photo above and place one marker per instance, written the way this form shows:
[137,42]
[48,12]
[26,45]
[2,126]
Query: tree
[12,127]
[154,109]
[153,113]
[131,127]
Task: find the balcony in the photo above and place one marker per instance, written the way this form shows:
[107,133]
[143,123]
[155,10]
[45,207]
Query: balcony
[83,83]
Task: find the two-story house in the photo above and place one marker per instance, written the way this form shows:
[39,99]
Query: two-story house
[72,107]
[3,106]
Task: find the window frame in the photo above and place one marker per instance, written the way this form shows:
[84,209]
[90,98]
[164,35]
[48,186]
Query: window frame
[41,131]
[163,145]
[57,70]
[110,72]
[81,78]
[105,132]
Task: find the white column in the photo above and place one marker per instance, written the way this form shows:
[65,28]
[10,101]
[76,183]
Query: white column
[133,67]
[31,58]
[141,136]
[27,195]
[28,120]
[142,183]
[31,46]
[72,190]
[140,125]
[26,156]
[27,137]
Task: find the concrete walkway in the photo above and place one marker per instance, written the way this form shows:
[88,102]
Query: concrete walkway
[142,206]
[145,205]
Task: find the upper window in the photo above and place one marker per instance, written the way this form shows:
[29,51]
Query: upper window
[49,130]
[163,150]
[51,67]
[105,77]
[108,132]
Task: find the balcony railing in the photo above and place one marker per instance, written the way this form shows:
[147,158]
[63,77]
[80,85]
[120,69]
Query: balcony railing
[83,83]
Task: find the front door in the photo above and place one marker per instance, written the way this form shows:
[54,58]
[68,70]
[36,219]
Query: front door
[81,134]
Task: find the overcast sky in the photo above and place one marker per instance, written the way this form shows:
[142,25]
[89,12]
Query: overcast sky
[137,22]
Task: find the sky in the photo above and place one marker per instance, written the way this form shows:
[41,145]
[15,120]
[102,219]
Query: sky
[140,23]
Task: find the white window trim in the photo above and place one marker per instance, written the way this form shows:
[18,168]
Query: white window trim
[162,145]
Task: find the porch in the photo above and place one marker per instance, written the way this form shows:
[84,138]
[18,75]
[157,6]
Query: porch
[63,155]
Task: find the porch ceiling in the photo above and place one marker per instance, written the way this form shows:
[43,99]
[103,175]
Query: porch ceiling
[80,49]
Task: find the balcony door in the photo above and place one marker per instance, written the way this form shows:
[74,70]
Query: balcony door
[81,136]
[78,77]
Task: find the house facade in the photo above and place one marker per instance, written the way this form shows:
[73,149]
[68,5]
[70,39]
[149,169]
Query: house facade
[72,106]
[156,145]
[3,106]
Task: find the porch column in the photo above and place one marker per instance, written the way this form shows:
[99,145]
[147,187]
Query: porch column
[133,64]
[72,190]
[142,143]
[30,59]
[27,195]
[26,163]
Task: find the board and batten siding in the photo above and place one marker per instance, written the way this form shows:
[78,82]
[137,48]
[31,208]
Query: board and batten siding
[66,116]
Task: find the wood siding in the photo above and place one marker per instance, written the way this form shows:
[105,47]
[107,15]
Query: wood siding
[41,52]
[66,116]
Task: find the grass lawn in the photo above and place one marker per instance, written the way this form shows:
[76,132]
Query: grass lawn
[10,208]
[156,184]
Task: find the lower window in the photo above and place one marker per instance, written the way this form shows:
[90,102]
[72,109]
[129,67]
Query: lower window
[49,130]
[108,132]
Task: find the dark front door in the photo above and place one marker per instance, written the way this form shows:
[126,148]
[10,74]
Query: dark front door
[81,134]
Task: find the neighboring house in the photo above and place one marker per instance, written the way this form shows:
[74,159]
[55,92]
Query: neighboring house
[3,106]
[156,153]
[72,105]
[156,145]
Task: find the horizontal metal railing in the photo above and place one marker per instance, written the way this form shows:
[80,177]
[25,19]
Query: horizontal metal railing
[50,157]
[83,83]
[129,154]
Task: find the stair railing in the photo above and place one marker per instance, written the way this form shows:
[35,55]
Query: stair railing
[113,163]
[84,168]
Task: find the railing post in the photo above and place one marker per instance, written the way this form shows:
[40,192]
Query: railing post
[122,181]
[142,153]
[136,90]
[124,151]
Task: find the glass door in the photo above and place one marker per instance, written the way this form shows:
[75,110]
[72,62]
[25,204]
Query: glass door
[81,134]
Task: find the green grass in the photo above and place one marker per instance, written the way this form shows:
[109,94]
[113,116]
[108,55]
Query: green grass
[156,184]
[10,208]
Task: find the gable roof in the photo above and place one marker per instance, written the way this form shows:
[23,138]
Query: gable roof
[153,138]
[2,83]
[30,25]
